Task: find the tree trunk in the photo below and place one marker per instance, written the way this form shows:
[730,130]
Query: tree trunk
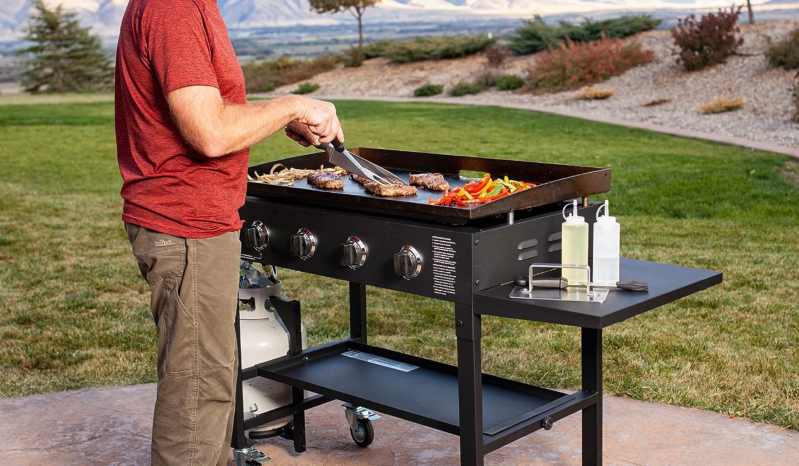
[751,13]
[360,30]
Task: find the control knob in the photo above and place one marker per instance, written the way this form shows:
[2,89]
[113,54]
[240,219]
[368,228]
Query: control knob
[408,262]
[256,236]
[302,244]
[353,253]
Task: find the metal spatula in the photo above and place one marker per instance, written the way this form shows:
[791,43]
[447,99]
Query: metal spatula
[340,156]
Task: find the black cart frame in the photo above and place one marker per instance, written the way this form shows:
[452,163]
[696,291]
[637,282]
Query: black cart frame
[487,412]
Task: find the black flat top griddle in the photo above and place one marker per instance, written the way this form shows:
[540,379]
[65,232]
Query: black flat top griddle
[554,183]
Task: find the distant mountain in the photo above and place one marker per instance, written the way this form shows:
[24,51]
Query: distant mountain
[105,15]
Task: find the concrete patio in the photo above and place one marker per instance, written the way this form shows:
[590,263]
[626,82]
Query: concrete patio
[111,426]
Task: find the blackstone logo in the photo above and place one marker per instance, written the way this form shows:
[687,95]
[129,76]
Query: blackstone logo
[164,242]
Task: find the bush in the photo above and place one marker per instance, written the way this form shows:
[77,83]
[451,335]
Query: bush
[510,82]
[351,57]
[785,53]
[428,90]
[464,88]
[708,41]
[795,98]
[592,93]
[266,75]
[496,56]
[429,48]
[536,35]
[721,105]
[574,65]
[488,79]
[305,88]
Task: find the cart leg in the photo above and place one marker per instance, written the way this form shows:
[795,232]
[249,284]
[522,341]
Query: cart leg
[470,385]
[358,311]
[291,314]
[592,381]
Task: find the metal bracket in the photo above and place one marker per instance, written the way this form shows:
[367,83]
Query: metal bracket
[249,456]
[354,413]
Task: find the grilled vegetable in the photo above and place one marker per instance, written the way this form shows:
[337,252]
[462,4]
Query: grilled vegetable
[481,192]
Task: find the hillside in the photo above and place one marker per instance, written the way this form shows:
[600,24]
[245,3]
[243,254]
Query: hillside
[105,15]
[766,115]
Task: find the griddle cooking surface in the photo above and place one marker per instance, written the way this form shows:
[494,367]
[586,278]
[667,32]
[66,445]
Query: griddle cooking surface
[554,183]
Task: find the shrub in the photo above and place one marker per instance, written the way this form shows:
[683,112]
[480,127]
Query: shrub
[464,88]
[429,48]
[488,79]
[721,105]
[536,35]
[305,88]
[351,57]
[428,90]
[795,98]
[496,56]
[574,65]
[592,93]
[785,53]
[282,71]
[510,82]
[708,41]
[266,87]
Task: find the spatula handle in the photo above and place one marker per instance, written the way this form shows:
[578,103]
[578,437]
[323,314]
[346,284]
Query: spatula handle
[338,145]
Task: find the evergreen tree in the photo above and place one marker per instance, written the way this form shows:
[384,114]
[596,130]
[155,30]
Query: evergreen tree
[64,57]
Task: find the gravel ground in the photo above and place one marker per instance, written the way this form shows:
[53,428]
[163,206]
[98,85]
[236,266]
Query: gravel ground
[766,116]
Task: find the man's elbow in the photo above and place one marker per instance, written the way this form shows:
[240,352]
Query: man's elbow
[211,150]
[210,145]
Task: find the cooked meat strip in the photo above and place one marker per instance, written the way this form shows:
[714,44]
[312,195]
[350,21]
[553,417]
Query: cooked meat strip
[326,180]
[378,189]
[432,181]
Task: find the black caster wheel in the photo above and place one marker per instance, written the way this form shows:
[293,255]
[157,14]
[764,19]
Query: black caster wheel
[365,435]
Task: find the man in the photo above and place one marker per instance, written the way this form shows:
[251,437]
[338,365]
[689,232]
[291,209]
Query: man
[183,128]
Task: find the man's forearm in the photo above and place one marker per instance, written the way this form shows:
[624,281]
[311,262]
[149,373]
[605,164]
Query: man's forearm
[217,128]
[243,126]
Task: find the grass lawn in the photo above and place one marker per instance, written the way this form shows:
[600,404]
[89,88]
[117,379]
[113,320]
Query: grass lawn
[73,308]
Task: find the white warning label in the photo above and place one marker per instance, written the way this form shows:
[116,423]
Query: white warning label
[443,265]
[372,359]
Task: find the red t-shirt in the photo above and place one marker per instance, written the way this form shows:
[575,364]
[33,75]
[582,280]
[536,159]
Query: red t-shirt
[168,186]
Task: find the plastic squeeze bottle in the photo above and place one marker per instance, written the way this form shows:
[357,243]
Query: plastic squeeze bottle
[574,244]
[607,238]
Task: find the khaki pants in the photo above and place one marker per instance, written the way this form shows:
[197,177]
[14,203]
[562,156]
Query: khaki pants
[194,284]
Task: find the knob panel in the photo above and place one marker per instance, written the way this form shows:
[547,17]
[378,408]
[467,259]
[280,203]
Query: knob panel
[408,262]
[353,252]
[256,236]
[302,244]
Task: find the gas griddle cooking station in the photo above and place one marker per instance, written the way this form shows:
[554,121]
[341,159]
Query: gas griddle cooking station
[466,256]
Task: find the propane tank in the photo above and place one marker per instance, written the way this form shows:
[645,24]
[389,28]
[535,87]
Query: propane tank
[263,337]
[574,245]
[607,239]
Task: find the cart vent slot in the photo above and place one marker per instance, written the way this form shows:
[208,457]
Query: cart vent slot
[554,237]
[526,255]
[530,243]
[372,359]
[554,247]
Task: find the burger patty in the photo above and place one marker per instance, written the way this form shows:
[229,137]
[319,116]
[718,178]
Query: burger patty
[392,190]
[432,181]
[325,180]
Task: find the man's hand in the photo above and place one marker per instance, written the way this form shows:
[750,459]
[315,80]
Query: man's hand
[316,124]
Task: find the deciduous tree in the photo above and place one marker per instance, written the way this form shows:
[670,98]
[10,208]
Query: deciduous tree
[64,56]
[356,8]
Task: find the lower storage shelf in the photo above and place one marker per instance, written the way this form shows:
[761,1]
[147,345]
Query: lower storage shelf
[418,390]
